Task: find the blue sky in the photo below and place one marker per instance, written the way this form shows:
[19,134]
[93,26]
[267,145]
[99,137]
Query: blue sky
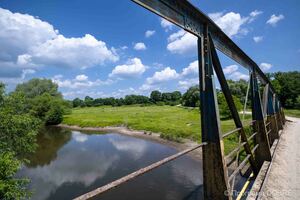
[113,48]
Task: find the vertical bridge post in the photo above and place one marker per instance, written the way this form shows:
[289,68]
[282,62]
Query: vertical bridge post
[270,112]
[215,175]
[263,152]
[278,113]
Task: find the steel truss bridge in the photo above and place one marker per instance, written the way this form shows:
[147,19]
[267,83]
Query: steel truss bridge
[267,114]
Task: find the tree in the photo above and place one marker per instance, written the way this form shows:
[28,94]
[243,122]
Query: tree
[166,97]
[10,187]
[155,96]
[191,97]
[176,96]
[54,115]
[2,90]
[77,102]
[88,101]
[37,87]
[22,113]
[18,135]
[223,106]
[238,88]
[287,86]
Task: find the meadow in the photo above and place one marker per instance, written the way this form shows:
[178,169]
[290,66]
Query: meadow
[172,122]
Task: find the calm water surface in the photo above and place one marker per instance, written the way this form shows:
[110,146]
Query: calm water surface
[70,163]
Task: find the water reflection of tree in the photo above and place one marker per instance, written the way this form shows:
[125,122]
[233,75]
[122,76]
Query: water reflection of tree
[49,140]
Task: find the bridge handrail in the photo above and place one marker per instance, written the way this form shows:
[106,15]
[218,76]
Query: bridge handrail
[137,173]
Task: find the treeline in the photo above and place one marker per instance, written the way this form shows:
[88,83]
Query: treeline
[22,113]
[287,86]
[156,97]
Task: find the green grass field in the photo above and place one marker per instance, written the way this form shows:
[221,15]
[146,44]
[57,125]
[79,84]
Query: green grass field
[292,112]
[171,122]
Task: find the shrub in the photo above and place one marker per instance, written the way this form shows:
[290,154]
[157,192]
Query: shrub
[223,106]
[54,115]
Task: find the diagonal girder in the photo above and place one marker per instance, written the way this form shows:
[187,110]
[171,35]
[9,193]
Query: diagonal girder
[231,105]
[191,19]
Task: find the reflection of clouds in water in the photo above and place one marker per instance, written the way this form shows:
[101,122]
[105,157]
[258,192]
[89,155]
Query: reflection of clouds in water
[79,137]
[72,165]
[134,147]
[187,175]
[184,170]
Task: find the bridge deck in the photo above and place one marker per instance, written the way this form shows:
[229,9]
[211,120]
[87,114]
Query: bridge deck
[283,181]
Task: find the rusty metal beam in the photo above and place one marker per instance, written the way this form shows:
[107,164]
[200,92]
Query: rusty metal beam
[215,173]
[135,174]
[231,105]
[185,15]
[263,152]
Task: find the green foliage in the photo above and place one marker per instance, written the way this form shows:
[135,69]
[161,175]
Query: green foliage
[171,122]
[297,105]
[287,86]
[192,97]
[54,115]
[292,112]
[78,103]
[88,101]
[2,90]
[22,113]
[37,87]
[18,133]
[155,96]
[11,188]
[223,106]
[47,108]
[238,89]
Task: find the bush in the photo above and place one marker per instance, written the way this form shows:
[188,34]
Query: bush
[223,106]
[160,103]
[11,188]
[192,97]
[55,115]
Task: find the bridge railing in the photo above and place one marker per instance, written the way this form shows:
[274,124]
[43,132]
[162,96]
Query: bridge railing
[137,173]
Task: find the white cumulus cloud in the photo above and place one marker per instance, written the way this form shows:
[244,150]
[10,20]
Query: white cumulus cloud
[166,24]
[185,84]
[79,84]
[265,66]
[192,69]
[255,13]
[139,46]
[30,43]
[182,42]
[149,33]
[273,20]
[166,74]
[19,32]
[80,77]
[230,69]
[258,39]
[81,52]
[232,73]
[133,68]
[231,23]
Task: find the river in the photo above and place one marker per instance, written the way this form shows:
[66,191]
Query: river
[70,163]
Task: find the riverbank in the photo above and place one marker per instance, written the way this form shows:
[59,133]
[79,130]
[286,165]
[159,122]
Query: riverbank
[170,124]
